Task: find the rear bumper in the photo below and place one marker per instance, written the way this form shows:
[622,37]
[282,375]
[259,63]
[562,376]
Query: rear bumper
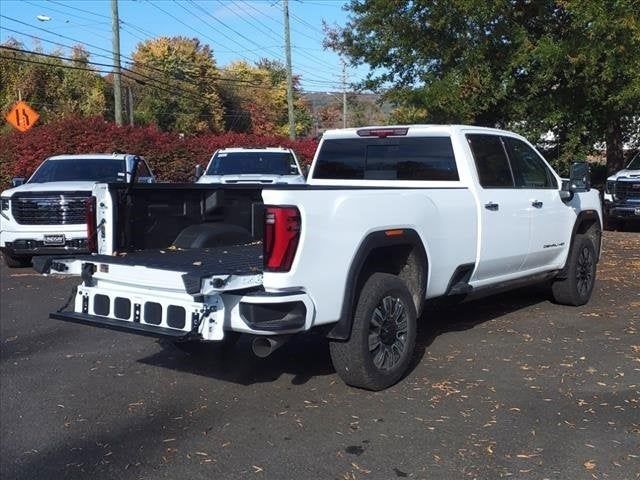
[119,325]
[176,315]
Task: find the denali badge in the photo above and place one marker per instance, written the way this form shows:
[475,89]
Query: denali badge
[637,211]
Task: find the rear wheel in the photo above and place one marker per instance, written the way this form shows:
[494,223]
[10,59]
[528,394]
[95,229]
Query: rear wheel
[576,289]
[383,335]
[16,262]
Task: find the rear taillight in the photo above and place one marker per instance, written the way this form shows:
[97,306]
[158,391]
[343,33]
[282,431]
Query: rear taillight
[281,235]
[92,230]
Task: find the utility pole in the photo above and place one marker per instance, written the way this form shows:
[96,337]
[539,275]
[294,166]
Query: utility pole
[287,48]
[344,94]
[117,84]
[130,105]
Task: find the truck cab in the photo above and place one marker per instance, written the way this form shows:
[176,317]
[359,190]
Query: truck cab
[622,196]
[252,166]
[46,215]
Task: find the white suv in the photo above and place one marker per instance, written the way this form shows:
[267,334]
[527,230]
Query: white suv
[622,196]
[47,214]
[252,165]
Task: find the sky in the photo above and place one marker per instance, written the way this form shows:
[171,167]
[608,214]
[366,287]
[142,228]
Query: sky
[234,29]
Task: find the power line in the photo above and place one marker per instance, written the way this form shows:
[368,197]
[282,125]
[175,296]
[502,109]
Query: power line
[189,26]
[81,10]
[315,60]
[131,60]
[132,74]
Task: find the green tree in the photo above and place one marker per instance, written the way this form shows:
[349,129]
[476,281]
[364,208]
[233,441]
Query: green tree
[566,66]
[177,85]
[55,87]
[255,97]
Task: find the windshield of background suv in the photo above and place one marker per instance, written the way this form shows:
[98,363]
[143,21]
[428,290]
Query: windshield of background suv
[635,163]
[264,163]
[73,169]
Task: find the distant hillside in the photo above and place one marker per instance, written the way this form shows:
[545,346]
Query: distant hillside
[321,99]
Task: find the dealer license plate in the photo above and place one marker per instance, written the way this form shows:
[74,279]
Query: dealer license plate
[56,239]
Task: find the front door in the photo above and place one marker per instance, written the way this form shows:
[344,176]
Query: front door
[549,214]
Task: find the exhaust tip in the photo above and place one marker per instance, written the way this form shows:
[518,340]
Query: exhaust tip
[262,347]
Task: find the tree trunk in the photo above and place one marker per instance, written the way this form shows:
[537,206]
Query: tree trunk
[615,153]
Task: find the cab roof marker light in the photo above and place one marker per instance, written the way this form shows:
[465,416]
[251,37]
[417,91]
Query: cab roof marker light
[382,132]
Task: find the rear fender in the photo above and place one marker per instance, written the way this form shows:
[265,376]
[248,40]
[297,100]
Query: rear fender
[375,240]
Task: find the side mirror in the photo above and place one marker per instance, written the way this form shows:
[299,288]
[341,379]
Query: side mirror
[579,177]
[17,181]
[199,171]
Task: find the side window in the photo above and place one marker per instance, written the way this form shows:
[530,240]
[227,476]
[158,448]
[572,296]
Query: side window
[529,171]
[491,161]
[143,170]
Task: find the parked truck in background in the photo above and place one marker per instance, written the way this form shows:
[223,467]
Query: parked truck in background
[273,165]
[47,214]
[390,218]
[622,196]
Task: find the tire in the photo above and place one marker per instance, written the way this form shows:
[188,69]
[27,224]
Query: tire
[611,224]
[614,224]
[16,262]
[200,348]
[576,289]
[391,334]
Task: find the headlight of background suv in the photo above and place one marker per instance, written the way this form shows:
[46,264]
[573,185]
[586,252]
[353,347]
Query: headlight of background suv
[611,184]
[4,204]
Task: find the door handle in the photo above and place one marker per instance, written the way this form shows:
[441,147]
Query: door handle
[536,204]
[492,206]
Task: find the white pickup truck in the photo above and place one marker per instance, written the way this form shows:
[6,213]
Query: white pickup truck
[390,217]
[47,214]
[269,165]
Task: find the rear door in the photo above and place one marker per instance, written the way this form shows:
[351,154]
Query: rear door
[504,211]
[549,214]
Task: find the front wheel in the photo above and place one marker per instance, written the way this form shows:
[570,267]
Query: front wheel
[383,335]
[576,289]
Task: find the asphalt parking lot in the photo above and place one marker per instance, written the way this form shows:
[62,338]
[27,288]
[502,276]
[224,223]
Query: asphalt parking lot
[510,386]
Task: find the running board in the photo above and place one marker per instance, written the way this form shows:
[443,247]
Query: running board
[120,325]
[462,288]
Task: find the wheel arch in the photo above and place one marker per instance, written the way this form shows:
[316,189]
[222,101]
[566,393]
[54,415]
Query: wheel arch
[587,223]
[397,251]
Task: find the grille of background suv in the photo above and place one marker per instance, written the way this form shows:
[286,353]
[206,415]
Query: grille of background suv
[50,209]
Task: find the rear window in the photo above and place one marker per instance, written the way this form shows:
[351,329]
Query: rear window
[406,158]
